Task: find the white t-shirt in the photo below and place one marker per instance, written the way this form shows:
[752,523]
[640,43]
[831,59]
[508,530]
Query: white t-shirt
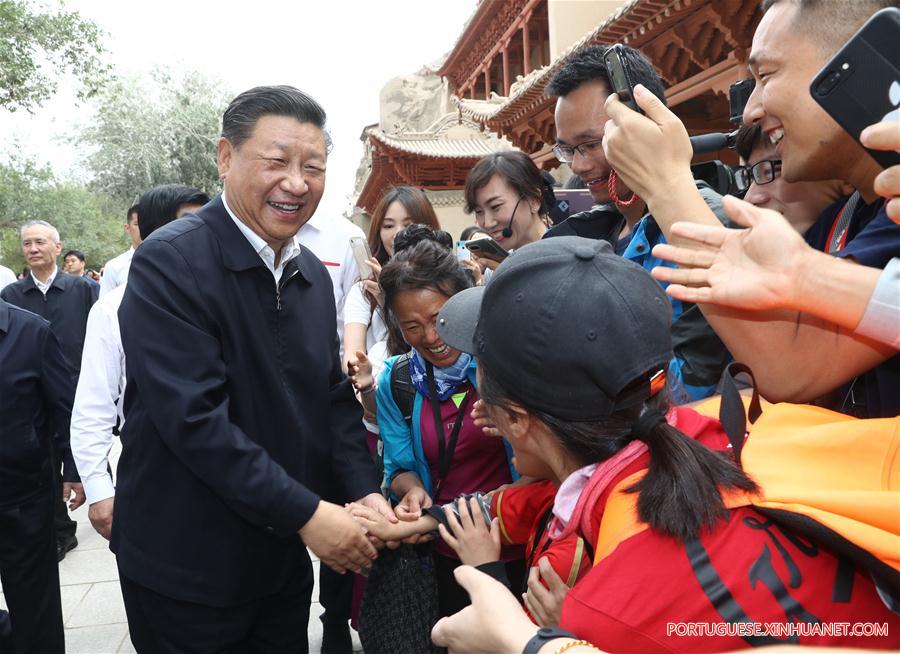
[115,272]
[329,240]
[7,277]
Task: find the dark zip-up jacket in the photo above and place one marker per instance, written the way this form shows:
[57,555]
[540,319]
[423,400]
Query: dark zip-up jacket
[66,306]
[237,414]
[36,393]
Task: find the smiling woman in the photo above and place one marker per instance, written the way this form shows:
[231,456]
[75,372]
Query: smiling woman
[433,450]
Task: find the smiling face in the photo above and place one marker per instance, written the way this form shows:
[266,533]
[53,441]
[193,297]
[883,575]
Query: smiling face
[784,60]
[275,179]
[494,206]
[581,117]
[416,312]
[801,203]
[39,248]
[395,219]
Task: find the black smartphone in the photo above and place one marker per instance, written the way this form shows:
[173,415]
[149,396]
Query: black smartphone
[860,86]
[487,248]
[620,75]
[738,94]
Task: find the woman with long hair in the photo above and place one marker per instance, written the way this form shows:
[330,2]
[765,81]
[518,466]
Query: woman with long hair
[364,327]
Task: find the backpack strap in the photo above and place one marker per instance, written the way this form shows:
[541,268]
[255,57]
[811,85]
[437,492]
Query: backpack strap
[731,409]
[402,388]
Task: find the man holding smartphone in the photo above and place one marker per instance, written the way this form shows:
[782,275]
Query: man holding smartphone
[581,87]
[795,356]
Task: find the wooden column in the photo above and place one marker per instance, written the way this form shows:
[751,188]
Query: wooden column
[487,82]
[526,45]
[506,70]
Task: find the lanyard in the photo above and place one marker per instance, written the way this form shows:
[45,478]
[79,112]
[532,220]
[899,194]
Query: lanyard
[837,235]
[445,450]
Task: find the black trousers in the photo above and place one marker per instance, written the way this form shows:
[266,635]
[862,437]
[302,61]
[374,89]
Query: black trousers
[65,526]
[30,575]
[274,624]
[335,595]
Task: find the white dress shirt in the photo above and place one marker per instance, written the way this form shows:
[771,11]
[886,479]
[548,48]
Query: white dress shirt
[98,397]
[43,287]
[289,250]
[329,240]
[7,277]
[115,272]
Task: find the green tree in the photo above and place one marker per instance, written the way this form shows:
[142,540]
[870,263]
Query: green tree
[37,47]
[147,132]
[86,220]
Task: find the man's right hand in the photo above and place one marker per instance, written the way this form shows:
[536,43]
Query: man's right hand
[337,539]
[101,516]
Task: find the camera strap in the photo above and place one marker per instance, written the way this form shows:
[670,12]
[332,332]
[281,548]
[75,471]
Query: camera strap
[837,235]
[445,450]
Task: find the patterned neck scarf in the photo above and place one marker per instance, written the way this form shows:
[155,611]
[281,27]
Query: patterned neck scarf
[446,380]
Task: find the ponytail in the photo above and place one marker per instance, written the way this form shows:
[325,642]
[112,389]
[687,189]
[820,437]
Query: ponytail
[681,492]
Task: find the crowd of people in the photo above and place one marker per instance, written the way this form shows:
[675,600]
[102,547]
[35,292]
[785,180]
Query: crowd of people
[543,452]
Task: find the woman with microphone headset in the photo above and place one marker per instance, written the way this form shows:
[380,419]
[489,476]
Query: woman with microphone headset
[511,199]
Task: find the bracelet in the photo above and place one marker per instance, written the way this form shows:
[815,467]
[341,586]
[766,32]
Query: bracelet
[368,391]
[574,643]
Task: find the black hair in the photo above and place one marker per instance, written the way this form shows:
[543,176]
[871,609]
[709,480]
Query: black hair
[158,206]
[831,22]
[588,65]
[519,171]
[466,234]
[427,264]
[245,110]
[748,137]
[681,492]
[74,253]
[132,210]
[417,205]
[412,234]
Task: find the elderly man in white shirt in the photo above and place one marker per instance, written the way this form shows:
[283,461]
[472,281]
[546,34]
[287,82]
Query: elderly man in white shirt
[115,272]
[98,398]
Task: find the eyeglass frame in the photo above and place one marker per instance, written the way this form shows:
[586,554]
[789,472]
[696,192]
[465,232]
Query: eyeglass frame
[752,173]
[579,148]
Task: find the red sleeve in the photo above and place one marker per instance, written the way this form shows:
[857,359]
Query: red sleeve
[568,557]
[518,507]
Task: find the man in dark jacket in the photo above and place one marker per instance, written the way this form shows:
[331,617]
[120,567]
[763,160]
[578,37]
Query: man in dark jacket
[237,411]
[36,390]
[66,301]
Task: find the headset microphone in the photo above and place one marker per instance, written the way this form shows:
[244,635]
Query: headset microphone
[507,231]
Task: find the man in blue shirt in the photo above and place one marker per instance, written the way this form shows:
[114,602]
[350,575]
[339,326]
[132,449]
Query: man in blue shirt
[582,86]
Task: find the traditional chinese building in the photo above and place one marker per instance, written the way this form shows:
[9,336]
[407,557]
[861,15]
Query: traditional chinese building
[495,76]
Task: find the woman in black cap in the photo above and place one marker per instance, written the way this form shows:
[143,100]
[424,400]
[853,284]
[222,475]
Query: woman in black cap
[647,485]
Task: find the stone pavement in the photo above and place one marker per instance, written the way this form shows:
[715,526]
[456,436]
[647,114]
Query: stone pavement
[93,613]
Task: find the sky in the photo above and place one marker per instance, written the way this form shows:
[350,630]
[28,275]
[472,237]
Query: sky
[340,51]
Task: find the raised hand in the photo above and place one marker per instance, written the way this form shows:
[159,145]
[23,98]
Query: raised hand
[471,539]
[756,268]
[886,136]
[545,602]
[481,419]
[360,372]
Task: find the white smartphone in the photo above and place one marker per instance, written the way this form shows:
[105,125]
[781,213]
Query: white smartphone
[361,254]
[462,252]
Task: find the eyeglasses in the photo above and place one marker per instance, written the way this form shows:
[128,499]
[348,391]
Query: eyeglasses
[566,153]
[762,172]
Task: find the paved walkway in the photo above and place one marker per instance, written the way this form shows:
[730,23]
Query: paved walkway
[93,613]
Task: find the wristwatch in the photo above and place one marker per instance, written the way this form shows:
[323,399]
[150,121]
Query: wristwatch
[543,636]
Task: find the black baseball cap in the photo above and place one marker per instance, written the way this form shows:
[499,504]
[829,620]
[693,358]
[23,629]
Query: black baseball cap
[573,329]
